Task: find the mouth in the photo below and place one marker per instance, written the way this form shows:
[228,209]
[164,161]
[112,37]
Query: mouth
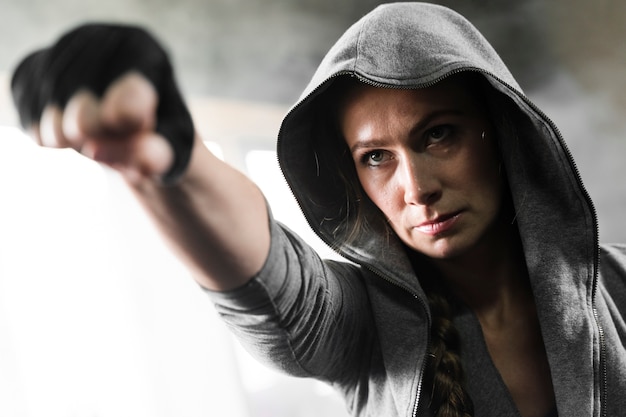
[438,225]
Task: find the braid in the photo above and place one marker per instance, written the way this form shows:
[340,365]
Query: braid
[445,371]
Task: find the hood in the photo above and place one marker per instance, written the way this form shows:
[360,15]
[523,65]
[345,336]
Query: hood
[413,45]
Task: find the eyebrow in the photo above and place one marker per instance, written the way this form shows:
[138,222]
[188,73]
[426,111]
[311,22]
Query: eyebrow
[377,142]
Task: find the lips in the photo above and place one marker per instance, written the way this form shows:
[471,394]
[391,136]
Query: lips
[439,225]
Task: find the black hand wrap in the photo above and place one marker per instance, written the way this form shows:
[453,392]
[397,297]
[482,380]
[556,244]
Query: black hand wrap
[93,56]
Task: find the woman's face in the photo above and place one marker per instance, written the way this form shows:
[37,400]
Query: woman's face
[422,158]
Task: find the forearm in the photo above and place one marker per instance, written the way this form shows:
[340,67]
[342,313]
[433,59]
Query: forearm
[214,218]
[108,91]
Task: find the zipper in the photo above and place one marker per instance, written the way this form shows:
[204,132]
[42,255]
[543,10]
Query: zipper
[596,257]
[603,368]
[420,383]
[422,303]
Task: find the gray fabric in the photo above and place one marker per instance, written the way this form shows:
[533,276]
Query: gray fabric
[363,326]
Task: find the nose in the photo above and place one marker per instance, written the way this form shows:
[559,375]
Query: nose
[420,182]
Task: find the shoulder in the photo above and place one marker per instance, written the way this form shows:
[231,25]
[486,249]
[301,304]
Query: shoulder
[613,259]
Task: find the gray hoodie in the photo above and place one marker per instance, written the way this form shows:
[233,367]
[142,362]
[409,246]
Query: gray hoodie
[363,325]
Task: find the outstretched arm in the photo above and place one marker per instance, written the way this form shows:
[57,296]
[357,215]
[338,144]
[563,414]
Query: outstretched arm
[108,92]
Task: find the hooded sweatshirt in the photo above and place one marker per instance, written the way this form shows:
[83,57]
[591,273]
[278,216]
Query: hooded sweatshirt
[363,325]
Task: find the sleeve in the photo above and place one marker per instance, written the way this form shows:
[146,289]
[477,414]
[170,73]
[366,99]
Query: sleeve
[303,315]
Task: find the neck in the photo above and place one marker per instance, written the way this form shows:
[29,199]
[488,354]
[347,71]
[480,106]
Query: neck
[492,279]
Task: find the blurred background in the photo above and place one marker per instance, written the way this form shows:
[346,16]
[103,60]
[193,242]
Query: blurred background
[96,316]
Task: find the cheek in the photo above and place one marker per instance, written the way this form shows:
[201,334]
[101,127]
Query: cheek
[381,192]
[483,176]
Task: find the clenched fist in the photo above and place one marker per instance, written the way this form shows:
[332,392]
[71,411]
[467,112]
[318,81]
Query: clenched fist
[109,92]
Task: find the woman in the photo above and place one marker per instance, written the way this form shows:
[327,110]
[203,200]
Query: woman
[476,284]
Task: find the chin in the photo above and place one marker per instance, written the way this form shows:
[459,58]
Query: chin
[441,249]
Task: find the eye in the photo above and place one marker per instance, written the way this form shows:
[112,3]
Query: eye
[439,134]
[374,158]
